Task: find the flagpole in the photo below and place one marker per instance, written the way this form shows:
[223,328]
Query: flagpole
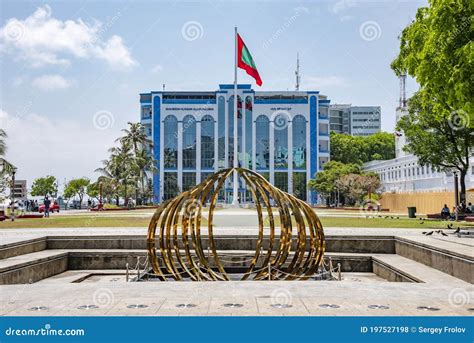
[235,201]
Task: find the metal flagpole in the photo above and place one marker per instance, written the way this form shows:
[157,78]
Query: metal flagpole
[235,201]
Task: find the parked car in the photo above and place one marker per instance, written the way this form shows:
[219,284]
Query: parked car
[74,204]
[53,207]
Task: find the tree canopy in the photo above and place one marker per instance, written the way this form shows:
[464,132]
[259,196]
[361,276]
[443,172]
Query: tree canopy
[360,149]
[43,186]
[437,50]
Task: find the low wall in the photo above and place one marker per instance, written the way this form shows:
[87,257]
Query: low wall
[425,202]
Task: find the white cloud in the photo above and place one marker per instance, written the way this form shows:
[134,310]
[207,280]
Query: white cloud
[51,82]
[318,82]
[342,5]
[41,39]
[38,146]
[157,68]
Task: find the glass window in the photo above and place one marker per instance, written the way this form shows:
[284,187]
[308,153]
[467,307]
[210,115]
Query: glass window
[262,145]
[146,112]
[170,149]
[281,181]
[248,132]
[207,142]
[299,185]
[281,143]
[189,142]
[299,142]
[189,180]
[170,185]
[221,131]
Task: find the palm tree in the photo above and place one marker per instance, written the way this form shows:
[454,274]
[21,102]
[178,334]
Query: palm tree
[135,135]
[3,145]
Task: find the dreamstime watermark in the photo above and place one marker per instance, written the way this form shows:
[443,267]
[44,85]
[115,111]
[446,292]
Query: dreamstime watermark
[459,120]
[281,296]
[103,297]
[192,30]
[103,120]
[47,330]
[14,31]
[280,119]
[281,30]
[458,297]
[369,207]
[97,36]
[190,208]
[370,30]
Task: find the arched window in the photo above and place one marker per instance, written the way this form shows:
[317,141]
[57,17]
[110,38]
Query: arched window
[299,142]
[189,142]
[262,145]
[221,132]
[281,142]
[170,148]
[207,142]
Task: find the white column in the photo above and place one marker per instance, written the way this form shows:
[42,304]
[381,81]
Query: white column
[290,158]
[216,140]
[198,151]
[254,143]
[180,154]
[226,140]
[272,152]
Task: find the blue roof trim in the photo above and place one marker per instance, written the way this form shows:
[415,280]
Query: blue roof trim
[189,101]
[231,86]
[280,101]
[324,101]
[312,92]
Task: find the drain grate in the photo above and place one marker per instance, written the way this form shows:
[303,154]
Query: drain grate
[329,306]
[378,307]
[38,308]
[233,305]
[87,307]
[281,305]
[427,308]
[186,305]
[137,306]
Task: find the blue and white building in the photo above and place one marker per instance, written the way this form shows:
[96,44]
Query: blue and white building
[282,135]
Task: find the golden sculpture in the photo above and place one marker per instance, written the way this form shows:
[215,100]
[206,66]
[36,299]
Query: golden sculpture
[180,242]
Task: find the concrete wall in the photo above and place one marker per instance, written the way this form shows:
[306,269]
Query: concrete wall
[425,202]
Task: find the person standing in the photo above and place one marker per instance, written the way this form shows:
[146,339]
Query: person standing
[47,202]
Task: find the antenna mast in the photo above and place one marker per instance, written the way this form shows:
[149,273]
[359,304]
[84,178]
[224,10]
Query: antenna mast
[402,102]
[297,72]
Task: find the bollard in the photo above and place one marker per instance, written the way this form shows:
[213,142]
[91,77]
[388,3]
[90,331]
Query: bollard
[339,272]
[269,271]
[126,273]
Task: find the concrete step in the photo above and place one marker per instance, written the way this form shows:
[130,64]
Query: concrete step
[29,268]
[17,247]
[398,268]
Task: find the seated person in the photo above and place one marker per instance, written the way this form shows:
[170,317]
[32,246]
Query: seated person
[445,214]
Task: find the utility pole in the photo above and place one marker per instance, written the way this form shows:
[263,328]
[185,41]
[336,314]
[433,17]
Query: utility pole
[297,72]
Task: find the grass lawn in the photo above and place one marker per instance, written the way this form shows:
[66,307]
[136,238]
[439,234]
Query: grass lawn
[124,221]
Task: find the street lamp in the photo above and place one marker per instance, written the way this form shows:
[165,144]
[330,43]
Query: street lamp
[456,195]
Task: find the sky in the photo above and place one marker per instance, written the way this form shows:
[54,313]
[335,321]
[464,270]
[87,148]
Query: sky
[72,71]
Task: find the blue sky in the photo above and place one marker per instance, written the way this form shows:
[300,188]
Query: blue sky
[71,71]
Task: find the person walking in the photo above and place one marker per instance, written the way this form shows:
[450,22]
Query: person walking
[47,202]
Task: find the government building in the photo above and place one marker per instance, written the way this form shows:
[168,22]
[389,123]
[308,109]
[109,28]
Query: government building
[282,135]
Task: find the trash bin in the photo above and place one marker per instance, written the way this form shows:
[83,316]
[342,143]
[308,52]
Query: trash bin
[411,212]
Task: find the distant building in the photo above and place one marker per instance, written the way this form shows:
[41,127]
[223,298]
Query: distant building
[284,136]
[19,190]
[355,120]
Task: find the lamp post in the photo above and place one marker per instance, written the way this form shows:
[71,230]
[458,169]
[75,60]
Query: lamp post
[12,195]
[456,195]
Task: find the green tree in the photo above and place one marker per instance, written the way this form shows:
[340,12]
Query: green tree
[92,190]
[357,186]
[359,149]
[43,186]
[76,187]
[438,51]
[325,181]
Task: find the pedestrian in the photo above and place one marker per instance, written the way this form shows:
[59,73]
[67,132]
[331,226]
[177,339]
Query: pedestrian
[47,202]
[445,212]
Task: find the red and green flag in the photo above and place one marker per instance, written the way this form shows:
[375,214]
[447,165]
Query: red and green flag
[245,60]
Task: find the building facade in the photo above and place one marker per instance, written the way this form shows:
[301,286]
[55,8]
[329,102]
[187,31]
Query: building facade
[404,174]
[355,120]
[282,135]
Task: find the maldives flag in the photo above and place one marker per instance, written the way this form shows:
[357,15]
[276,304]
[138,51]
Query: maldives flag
[245,60]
